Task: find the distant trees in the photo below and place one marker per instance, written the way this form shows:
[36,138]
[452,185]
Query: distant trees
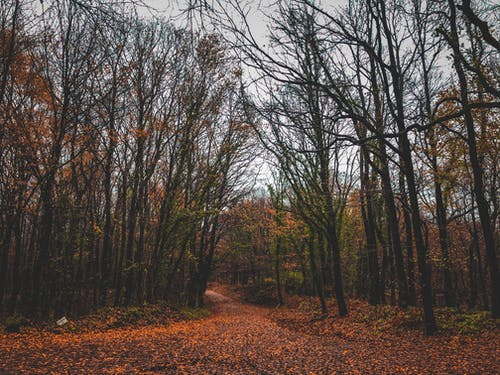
[370,76]
[474,64]
[123,141]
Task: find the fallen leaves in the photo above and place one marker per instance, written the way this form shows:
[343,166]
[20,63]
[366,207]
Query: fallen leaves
[385,340]
[245,339]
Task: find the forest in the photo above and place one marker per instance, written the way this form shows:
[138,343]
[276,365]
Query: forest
[345,152]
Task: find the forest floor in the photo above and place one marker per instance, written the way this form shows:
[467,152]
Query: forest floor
[238,338]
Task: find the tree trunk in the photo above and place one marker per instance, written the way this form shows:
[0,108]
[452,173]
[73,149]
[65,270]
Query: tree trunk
[412,294]
[366,198]
[318,283]
[405,153]
[277,270]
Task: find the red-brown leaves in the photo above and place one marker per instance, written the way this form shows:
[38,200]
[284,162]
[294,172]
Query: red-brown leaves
[243,339]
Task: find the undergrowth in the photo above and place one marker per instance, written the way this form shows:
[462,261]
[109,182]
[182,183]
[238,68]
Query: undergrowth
[386,318]
[107,318]
[194,313]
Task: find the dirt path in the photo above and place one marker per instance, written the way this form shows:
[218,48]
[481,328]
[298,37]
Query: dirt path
[242,339]
[236,339]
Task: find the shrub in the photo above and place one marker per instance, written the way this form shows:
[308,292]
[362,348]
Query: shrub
[194,313]
[261,294]
[14,323]
[294,282]
[126,317]
[475,322]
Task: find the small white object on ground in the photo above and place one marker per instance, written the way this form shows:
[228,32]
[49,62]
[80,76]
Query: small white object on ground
[62,321]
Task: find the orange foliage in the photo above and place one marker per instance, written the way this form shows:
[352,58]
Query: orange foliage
[244,339]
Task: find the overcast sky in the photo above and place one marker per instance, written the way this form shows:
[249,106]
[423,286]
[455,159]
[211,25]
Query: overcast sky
[168,8]
[259,10]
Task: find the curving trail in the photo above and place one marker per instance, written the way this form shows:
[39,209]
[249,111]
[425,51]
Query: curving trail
[236,339]
[242,339]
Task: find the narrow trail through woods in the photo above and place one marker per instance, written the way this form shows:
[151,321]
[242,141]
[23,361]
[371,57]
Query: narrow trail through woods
[236,339]
[243,338]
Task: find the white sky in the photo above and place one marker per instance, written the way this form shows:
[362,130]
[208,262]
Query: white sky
[169,8]
[259,11]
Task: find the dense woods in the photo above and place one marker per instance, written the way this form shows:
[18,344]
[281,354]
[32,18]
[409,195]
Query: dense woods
[130,147]
[122,141]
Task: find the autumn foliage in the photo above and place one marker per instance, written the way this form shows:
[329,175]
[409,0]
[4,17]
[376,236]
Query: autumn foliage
[344,171]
